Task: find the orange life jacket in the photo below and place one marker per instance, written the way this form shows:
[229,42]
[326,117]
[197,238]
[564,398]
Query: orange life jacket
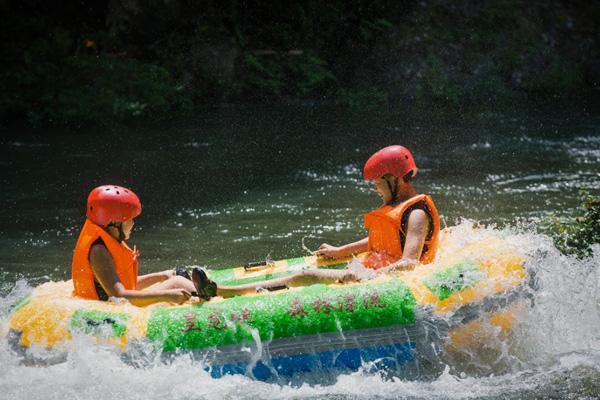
[124,258]
[386,233]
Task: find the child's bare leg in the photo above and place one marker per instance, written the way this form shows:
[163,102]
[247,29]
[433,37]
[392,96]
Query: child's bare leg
[176,282]
[300,278]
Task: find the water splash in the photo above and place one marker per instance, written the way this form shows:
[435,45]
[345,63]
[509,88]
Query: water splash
[554,352]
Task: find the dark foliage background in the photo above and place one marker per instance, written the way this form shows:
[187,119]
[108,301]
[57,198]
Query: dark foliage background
[102,62]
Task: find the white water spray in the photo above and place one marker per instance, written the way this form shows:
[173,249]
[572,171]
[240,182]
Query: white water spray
[556,340]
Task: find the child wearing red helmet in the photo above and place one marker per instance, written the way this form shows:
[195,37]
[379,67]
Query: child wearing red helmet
[104,266]
[402,233]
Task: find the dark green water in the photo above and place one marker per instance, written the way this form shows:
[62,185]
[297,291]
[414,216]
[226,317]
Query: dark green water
[242,184]
[239,184]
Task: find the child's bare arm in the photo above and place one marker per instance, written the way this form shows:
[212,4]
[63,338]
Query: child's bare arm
[416,232]
[329,251]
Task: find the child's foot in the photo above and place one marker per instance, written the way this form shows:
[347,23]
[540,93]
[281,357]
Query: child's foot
[205,288]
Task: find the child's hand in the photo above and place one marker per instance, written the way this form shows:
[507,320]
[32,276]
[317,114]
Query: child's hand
[403,265]
[349,276]
[329,251]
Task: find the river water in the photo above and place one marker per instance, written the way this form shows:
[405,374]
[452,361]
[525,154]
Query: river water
[243,184]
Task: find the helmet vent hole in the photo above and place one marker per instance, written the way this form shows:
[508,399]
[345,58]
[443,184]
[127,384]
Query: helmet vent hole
[126,191]
[118,192]
[406,157]
[91,208]
[107,189]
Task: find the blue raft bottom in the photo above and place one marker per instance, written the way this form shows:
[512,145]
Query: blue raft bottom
[383,357]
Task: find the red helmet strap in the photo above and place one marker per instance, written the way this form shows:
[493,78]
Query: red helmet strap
[393,187]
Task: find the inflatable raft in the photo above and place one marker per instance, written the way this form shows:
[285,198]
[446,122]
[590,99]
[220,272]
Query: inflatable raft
[394,322]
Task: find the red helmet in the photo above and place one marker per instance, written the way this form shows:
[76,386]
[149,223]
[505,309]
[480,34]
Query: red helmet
[111,203]
[395,160]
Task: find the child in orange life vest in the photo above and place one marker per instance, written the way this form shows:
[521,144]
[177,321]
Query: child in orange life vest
[104,266]
[402,233]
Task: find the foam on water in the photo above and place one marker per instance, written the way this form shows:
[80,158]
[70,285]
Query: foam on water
[554,352]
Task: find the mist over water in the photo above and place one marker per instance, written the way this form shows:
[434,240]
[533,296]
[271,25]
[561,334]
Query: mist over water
[497,177]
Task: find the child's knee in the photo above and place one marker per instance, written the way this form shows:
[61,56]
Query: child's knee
[177,281]
[309,273]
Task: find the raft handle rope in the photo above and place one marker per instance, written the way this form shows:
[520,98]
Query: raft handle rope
[311,252]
